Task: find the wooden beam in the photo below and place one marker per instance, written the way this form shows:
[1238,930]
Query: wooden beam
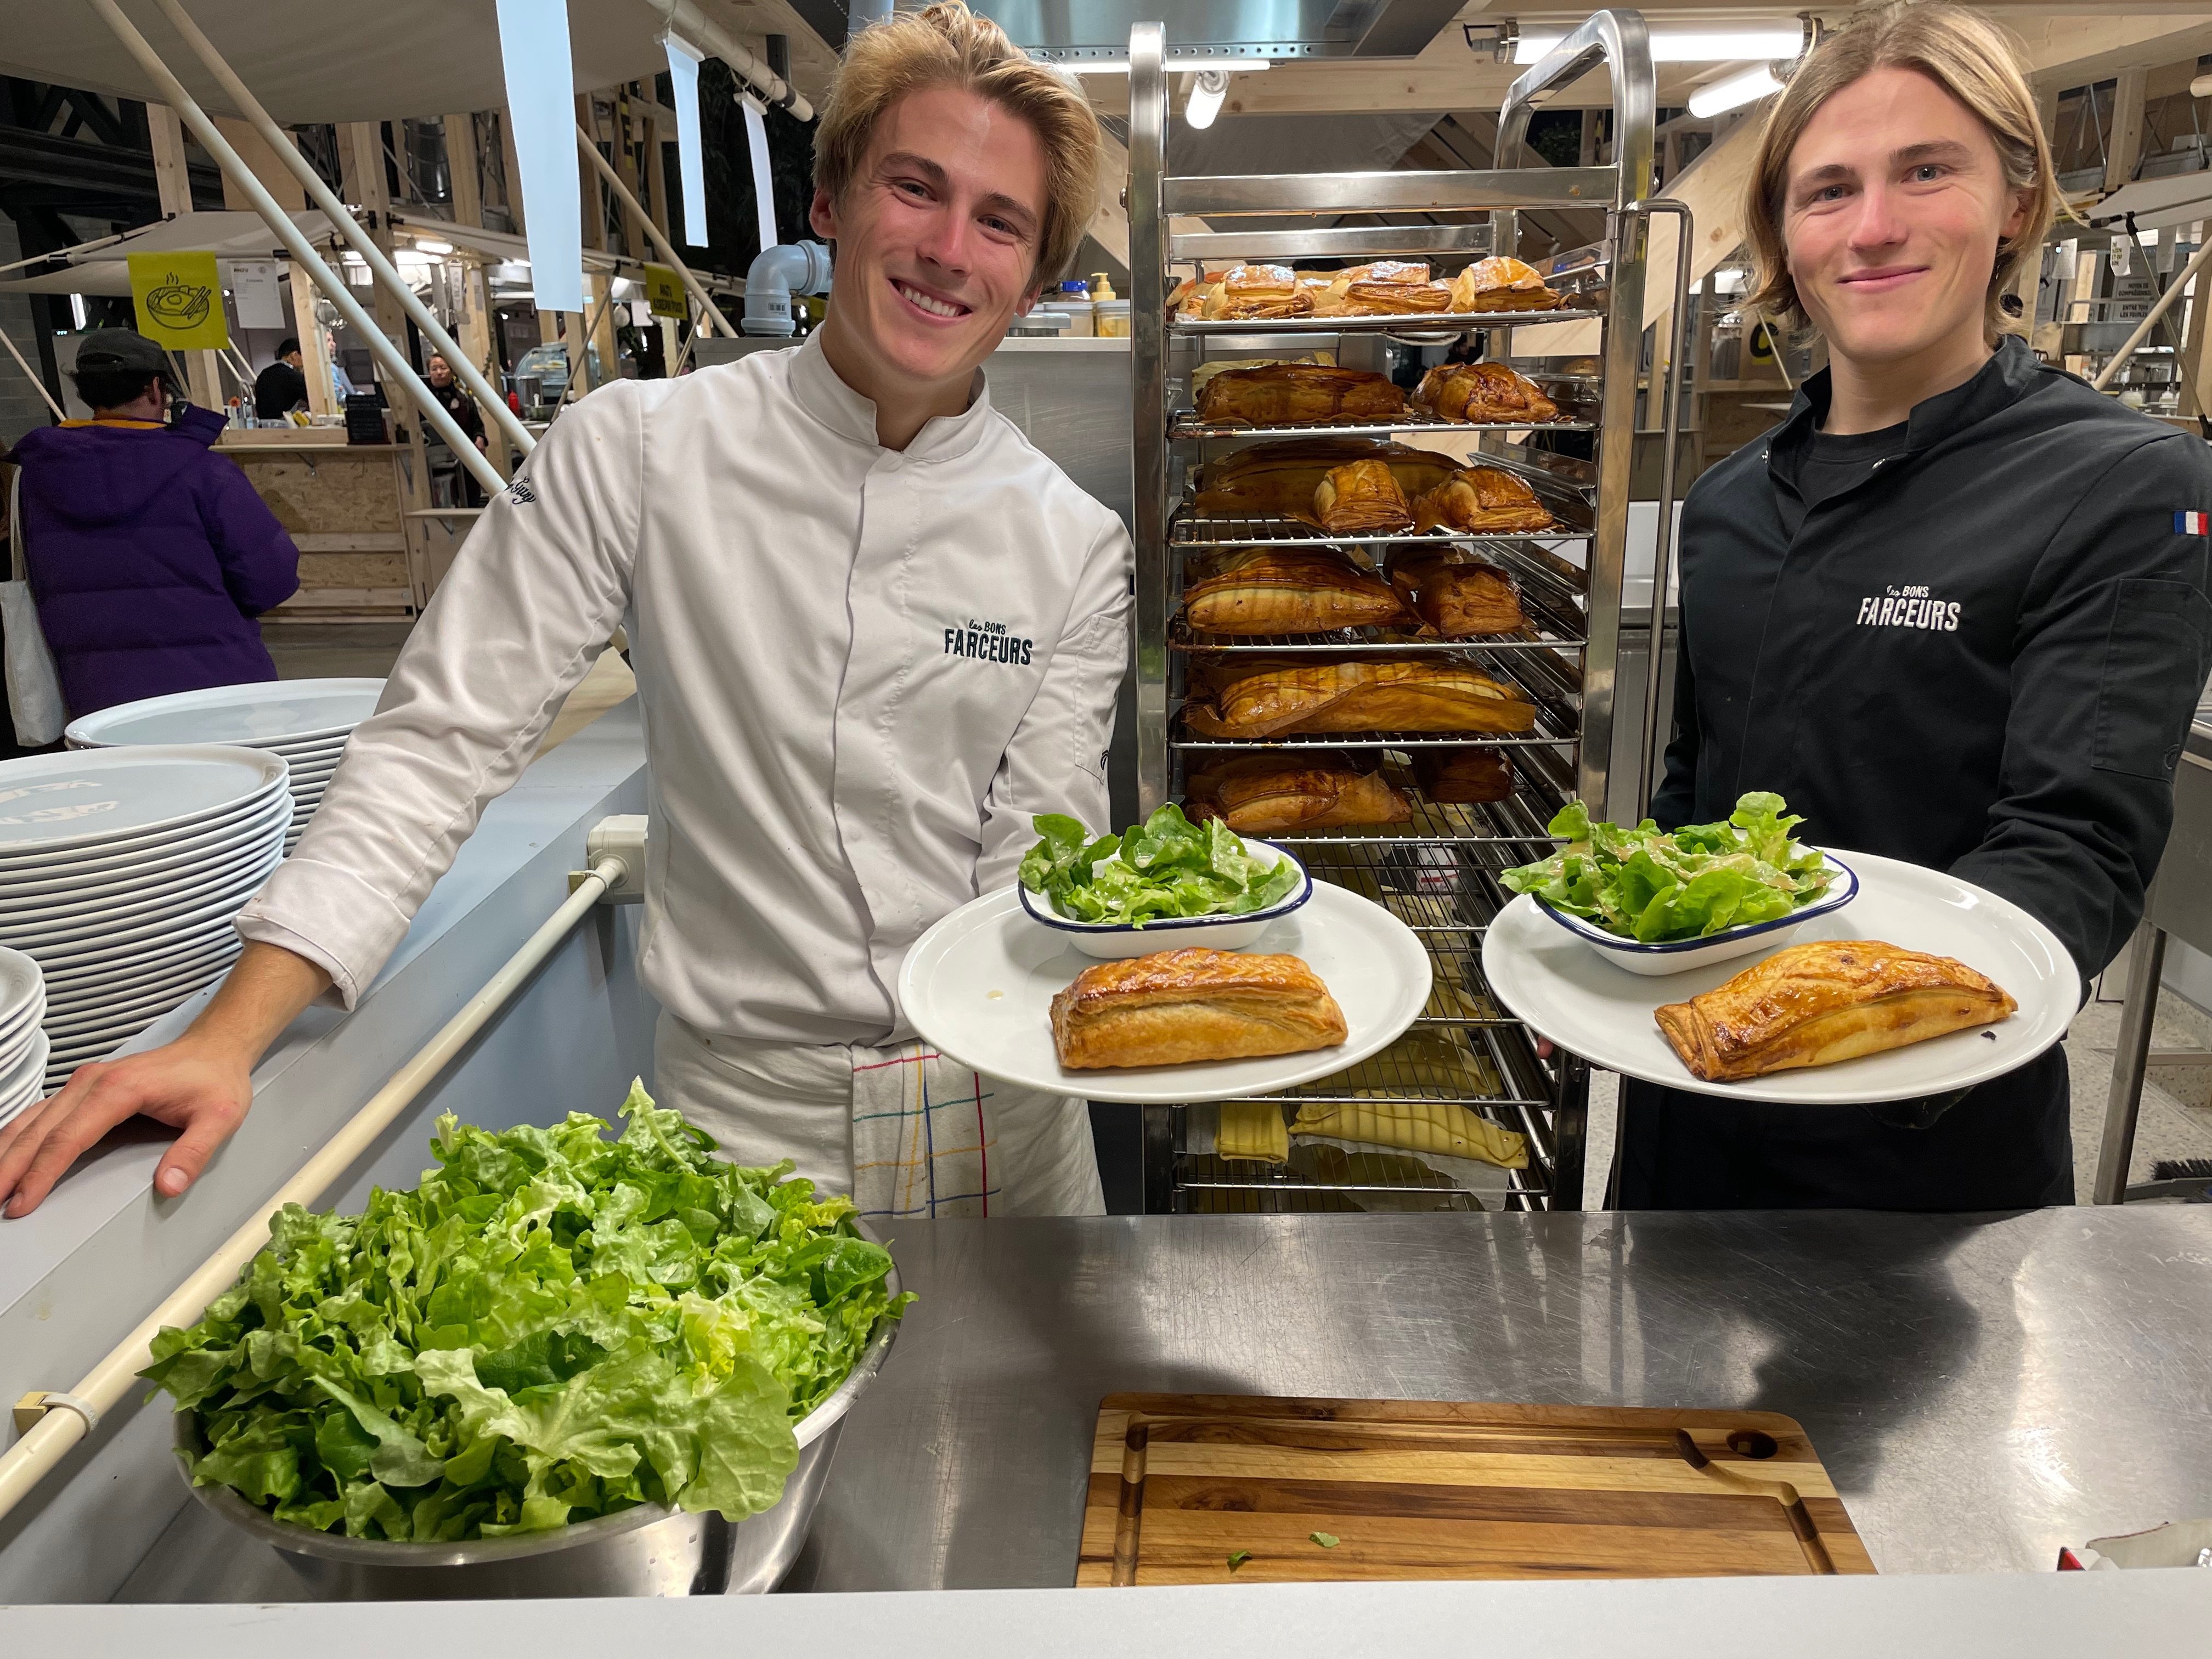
[314,343]
[2125,148]
[265,163]
[204,382]
[1713,187]
[462,167]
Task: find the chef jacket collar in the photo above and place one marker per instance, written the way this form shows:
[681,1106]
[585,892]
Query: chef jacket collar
[2001,381]
[823,395]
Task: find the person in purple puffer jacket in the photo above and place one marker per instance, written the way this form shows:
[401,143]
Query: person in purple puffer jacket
[149,556]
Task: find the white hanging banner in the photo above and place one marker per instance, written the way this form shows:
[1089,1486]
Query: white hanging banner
[764,185]
[541,113]
[690,148]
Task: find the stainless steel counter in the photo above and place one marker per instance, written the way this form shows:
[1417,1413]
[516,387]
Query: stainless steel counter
[1982,1389]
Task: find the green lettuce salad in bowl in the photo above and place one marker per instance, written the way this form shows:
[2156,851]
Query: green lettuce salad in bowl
[1161,885]
[1656,901]
[557,1339]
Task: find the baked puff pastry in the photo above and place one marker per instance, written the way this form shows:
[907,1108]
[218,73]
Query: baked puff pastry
[1359,696]
[1273,794]
[1501,285]
[1459,597]
[1388,287]
[1484,394]
[1462,777]
[1482,501]
[1278,480]
[1813,1005]
[1294,590]
[1180,1006]
[1361,498]
[1258,291]
[1291,394]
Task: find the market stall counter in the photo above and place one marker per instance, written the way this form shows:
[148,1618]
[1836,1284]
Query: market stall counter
[1983,1390]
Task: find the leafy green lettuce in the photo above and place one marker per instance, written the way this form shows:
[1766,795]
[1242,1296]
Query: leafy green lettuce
[1166,867]
[1653,886]
[553,1326]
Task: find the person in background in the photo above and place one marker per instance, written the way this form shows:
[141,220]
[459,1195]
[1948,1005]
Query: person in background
[446,386]
[283,387]
[148,557]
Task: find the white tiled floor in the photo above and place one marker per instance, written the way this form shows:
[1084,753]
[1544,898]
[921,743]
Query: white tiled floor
[2175,1121]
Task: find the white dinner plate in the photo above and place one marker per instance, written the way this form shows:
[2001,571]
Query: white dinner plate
[59,803]
[33,873]
[134,982]
[169,938]
[22,986]
[93,899]
[24,1084]
[132,1015]
[70,987]
[261,714]
[980,984]
[126,921]
[1569,993]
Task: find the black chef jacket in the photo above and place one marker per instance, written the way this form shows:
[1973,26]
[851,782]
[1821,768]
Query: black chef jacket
[1981,657]
[278,390]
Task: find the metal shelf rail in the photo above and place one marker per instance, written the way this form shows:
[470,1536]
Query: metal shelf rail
[1439,874]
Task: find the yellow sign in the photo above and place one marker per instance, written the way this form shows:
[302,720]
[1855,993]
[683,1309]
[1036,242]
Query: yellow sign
[179,300]
[664,291]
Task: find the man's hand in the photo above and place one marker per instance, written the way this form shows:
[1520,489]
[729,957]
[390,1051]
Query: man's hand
[202,1084]
[201,1088]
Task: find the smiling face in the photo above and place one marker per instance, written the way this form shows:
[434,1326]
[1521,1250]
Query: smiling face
[937,243]
[1895,202]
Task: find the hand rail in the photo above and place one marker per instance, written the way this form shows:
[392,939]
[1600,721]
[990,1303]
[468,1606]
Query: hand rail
[1620,40]
[65,1419]
[1663,545]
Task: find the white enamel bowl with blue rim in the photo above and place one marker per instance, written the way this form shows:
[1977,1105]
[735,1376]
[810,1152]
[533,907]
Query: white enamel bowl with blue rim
[1116,941]
[1680,956]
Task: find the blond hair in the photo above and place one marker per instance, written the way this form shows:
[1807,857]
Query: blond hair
[1972,57]
[948,46]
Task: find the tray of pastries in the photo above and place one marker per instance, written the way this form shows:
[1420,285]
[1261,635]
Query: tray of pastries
[1381,294]
[1257,698]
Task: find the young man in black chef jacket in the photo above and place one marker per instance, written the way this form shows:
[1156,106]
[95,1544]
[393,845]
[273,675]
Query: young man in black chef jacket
[1953,607]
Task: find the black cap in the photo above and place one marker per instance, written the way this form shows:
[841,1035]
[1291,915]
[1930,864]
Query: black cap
[109,349]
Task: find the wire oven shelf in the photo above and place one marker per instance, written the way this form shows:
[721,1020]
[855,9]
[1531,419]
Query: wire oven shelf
[1187,425]
[1192,528]
[1429,326]
[1438,872]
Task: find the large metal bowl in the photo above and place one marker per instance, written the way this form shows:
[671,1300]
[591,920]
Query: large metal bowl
[651,1550]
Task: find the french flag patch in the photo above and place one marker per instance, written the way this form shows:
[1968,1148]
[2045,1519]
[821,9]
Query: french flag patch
[2192,524]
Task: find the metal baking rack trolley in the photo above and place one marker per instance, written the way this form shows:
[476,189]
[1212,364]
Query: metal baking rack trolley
[1439,872]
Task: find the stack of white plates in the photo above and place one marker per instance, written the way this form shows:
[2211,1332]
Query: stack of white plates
[22,1044]
[306,722]
[121,871]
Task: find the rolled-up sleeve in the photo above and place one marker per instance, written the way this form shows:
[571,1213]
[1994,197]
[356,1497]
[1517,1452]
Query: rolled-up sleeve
[537,588]
[1056,761]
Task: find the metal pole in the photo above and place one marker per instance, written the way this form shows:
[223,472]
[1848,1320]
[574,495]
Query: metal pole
[379,343]
[2143,328]
[1148,348]
[343,221]
[65,1422]
[1663,545]
[2130,1058]
[652,231]
[688,21]
[32,378]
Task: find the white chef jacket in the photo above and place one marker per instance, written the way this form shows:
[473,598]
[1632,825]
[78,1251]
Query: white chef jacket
[862,671]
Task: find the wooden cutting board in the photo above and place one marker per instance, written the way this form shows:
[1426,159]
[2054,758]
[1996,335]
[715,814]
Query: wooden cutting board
[1415,1489]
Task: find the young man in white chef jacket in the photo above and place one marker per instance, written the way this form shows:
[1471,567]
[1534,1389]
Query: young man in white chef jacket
[874,631]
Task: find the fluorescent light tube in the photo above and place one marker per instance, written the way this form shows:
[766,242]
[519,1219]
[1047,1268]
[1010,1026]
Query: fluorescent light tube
[1703,47]
[1205,95]
[1753,83]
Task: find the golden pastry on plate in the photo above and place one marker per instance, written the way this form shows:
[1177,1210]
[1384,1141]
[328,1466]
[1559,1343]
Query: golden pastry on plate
[1458,596]
[1367,696]
[1361,498]
[1812,1005]
[1180,1006]
[1257,291]
[1278,480]
[1292,394]
[1483,501]
[1287,590]
[1274,795]
[1501,285]
[1484,394]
